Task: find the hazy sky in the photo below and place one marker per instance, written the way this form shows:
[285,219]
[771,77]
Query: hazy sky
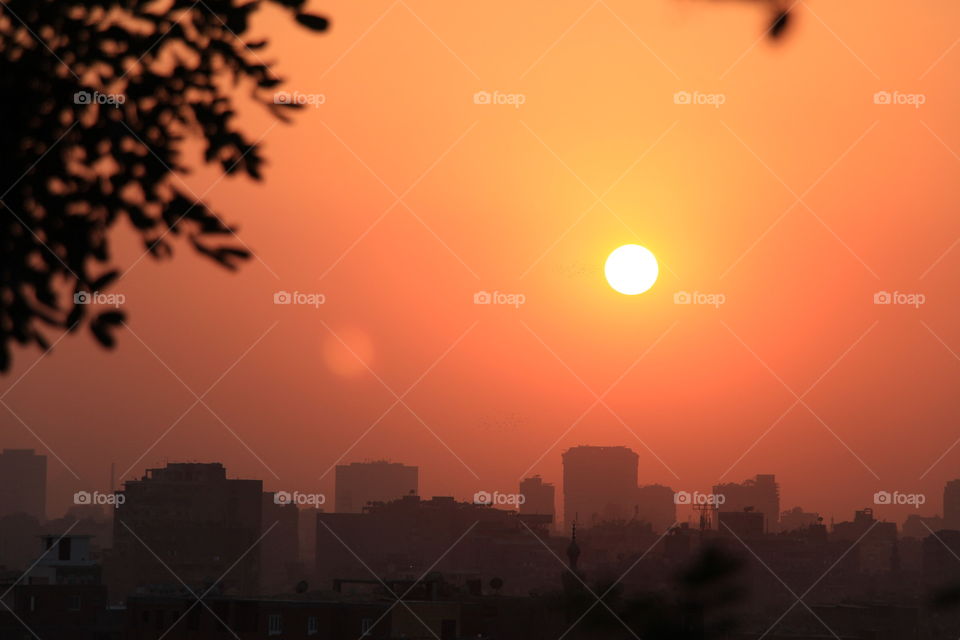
[798,199]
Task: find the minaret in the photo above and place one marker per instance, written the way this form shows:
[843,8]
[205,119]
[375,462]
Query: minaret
[573,551]
[572,578]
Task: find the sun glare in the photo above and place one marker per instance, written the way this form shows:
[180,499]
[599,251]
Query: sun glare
[631,269]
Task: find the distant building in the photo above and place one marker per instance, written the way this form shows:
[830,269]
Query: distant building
[939,568]
[23,483]
[599,484]
[919,527]
[951,505]
[60,597]
[361,483]
[202,524]
[761,493]
[743,524]
[797,518]
[463,541]
[308,535]
[655,505]
[539,497]
[875,541]
[280,566]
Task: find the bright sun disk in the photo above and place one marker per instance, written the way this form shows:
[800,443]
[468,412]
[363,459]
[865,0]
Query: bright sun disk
[631,269]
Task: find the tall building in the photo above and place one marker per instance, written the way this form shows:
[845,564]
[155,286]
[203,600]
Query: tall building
[202,524]
[539,497]
[361,483]
[23,483]
[761,493]
[951,505]
[599,484]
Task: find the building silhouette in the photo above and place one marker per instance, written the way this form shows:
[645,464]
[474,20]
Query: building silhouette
[599,484]
[761,493]
[919,527]
[655,505]
[875,541]
[60,596]
[280,565]
[463,541]
[797,518]
[539,497]
[361,483]
[202,524]
[951,505]
[746,524]
[23,483]
[939,559]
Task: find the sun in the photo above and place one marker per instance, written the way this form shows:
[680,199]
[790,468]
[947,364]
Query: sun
[631,269]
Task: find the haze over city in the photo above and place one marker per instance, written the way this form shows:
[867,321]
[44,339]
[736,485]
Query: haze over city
[508,201]
[716,241]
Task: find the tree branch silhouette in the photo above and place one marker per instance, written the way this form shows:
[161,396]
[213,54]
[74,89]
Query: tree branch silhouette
[97,100]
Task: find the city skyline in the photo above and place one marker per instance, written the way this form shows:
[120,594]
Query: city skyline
[498,390]
[132,561]
[889,505]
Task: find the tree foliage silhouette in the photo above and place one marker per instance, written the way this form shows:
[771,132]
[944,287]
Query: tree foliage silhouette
[97,99]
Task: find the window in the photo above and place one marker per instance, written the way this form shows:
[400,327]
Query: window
[366,627]
[312,625]
[73,603]
[274,624]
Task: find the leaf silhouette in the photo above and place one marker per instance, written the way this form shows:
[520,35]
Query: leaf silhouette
[100,102]
[317,23]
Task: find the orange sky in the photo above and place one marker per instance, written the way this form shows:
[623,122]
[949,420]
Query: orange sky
[531,200]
